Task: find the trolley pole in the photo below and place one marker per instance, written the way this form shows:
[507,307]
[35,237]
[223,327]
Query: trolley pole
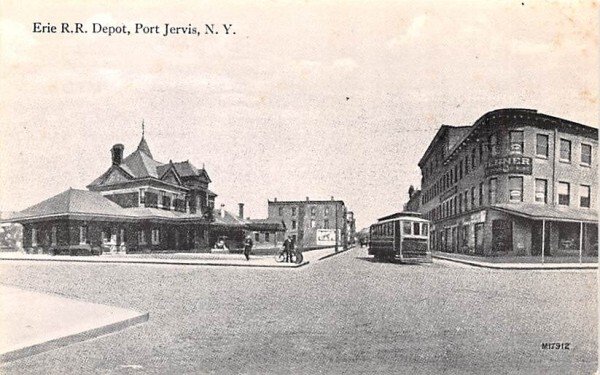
[336,227]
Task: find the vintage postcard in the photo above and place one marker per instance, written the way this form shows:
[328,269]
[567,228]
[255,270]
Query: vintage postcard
[299,187]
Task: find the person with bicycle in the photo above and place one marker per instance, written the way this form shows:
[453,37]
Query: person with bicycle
[287,249]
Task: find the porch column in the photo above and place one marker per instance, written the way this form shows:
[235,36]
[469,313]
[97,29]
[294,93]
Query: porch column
[543,238]
[581,242]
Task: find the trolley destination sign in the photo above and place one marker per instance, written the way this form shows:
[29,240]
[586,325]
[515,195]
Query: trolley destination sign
[509,164]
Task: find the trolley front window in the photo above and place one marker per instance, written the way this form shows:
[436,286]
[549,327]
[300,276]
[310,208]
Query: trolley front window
[406,227]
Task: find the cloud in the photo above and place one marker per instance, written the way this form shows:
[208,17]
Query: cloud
[413,31]
[526,47]
[346,64]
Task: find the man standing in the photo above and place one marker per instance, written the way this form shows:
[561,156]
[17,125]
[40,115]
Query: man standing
[248,247]
[286,248]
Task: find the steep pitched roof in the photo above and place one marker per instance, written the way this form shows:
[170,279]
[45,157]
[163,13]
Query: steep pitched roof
[143,146]
[141,164]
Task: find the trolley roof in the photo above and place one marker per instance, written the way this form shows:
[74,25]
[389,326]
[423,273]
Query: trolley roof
[413,216]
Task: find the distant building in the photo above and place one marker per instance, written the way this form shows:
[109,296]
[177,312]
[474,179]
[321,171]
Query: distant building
[414,200]
[312,223]
[515,182]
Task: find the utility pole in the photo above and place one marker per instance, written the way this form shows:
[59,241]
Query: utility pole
[336,227]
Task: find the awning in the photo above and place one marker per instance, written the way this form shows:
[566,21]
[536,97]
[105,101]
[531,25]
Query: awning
[538,211]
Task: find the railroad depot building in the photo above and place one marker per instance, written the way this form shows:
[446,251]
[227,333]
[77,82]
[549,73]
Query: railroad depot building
[137,205]
[516,182]
[312,223]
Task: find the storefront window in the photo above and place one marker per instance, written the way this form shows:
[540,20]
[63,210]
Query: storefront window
[541,190]
[515,185]
[563,193]
[584,196]
[83,234]
[34,237]
[53,235]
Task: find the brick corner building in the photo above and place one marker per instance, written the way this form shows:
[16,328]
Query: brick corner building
[516,182]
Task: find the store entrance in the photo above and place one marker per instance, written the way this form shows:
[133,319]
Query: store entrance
[502,236]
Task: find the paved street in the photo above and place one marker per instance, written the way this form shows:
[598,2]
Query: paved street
[344,314]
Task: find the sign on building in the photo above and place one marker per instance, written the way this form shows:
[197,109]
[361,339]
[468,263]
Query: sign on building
[326,237]
[509,164]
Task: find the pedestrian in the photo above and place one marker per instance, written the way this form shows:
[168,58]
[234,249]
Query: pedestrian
[248,243]
[286,248]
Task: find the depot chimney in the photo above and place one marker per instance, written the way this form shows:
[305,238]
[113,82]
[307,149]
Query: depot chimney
[241,211]
[117,153]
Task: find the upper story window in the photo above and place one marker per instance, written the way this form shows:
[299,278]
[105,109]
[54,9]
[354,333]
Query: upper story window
[467,200]
[460,170]
[515,185]
[142,195]
[565,150]
[326,211]
[584,196]
[492,190]
[541,190]
[313,223]
[516,142]
[326,224]
[473,197]
[256,237]
[460,201]
[481,193]
[473,158]
[564,193]
[541,145]
[586,154]
[493,144]
[293,211]
[293,224]
[313,211]
[280,211]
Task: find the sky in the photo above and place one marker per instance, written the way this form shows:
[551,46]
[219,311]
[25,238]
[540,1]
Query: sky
[307,98]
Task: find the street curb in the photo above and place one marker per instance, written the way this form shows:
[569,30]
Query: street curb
[332,254]
[523,267]
[161,262]
[72,339]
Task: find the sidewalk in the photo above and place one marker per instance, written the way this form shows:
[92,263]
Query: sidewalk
[185,259]
[517,263]
[33,322]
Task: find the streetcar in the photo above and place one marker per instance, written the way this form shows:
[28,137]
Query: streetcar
[403,236]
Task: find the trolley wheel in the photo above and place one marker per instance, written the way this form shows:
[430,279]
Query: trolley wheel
[297,258]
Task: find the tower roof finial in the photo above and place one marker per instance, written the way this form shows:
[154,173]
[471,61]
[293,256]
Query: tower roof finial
[142,128]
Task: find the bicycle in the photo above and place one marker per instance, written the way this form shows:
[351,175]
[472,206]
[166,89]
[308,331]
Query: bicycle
[295,256]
